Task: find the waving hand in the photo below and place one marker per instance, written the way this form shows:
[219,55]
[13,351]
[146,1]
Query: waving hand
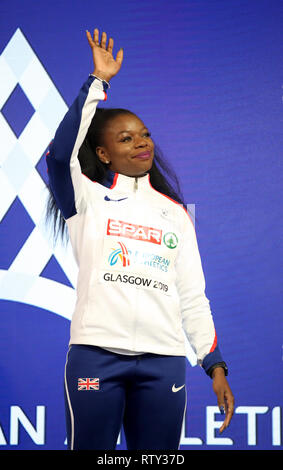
[105,66]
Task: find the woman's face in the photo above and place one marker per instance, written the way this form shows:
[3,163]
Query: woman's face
[128,147]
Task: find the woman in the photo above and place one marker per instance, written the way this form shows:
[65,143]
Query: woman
[140,282]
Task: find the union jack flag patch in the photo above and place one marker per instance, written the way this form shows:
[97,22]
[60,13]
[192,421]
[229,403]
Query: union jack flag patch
[88,384]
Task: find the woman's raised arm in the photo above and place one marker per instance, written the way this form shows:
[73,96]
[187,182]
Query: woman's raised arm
[65,177]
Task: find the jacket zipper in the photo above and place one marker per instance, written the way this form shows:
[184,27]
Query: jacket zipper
[136,184]
[137,290]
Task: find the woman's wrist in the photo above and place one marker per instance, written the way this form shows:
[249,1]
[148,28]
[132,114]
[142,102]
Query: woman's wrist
[102,75]
[217,372]
[219,367]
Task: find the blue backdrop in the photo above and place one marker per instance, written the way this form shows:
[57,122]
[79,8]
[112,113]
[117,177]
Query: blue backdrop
[206,77]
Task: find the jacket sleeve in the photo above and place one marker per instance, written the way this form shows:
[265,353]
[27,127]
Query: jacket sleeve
[195,308]
[65,178]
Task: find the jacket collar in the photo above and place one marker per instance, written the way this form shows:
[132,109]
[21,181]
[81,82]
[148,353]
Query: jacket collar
[126,183]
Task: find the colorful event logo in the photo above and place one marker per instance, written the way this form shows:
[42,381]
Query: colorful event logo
[126,257]
[121,254]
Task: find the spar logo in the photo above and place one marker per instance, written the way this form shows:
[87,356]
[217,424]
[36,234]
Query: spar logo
[119,228]
[121,254]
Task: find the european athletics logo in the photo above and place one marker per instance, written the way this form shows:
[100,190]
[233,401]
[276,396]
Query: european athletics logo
[126,257]
[121,254]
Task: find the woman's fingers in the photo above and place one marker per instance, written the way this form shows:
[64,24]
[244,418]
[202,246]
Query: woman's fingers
[110,45]
[89,38]
[119,56]
[103,40]
[229,410]
[225,398]
[228,417]
[96,37]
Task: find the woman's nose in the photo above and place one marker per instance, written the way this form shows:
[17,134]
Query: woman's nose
[140,142]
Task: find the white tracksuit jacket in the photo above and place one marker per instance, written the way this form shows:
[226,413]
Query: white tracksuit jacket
[140,282]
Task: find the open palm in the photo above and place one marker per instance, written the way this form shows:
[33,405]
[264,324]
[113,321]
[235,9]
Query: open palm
[105,66]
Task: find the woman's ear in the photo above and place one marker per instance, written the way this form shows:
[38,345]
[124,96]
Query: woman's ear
[102,155]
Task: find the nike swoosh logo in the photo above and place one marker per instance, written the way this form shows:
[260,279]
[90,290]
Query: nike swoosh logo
[106,198]
[176,389]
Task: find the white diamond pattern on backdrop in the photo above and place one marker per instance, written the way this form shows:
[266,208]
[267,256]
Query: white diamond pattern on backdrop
[8,139]
[19,65]
[8,81]
[19,178]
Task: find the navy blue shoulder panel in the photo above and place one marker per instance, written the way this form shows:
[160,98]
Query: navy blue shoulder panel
[109,179]
[66,134]
[60,151]
[61,186]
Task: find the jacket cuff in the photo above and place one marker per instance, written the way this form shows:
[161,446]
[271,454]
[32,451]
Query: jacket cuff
[212,360]
[104,83]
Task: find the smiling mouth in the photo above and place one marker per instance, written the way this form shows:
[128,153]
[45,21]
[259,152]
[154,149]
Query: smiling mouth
[143,155]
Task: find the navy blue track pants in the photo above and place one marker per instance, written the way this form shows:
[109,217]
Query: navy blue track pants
[104,390]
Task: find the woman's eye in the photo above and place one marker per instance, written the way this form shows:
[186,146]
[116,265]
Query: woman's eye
[128,137]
